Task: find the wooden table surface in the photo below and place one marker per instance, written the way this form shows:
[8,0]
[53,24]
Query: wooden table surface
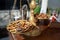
[51,33]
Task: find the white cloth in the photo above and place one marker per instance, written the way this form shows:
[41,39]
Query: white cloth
[44,6]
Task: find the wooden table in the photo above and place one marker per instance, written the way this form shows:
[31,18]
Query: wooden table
[50,33]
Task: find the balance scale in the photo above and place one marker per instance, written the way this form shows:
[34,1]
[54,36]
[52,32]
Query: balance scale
[43,10]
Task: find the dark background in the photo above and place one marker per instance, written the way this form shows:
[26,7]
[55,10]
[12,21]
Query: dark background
[8,4]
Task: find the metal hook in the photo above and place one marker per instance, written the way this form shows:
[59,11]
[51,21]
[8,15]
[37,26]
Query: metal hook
[24,12]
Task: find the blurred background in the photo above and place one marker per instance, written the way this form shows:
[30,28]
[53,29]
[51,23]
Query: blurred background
[5,13]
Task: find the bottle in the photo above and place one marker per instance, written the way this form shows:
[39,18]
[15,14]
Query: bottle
[37,2]
[37,9]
